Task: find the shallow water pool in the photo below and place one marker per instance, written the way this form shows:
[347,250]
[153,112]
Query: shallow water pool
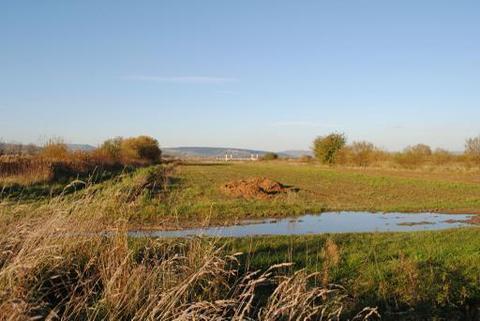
[329,222]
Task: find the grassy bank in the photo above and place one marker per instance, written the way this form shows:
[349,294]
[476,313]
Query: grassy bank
[426,273]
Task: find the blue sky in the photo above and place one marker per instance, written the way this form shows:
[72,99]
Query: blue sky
[251,73]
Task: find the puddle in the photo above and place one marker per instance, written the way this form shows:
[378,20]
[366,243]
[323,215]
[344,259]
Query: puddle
[330,222]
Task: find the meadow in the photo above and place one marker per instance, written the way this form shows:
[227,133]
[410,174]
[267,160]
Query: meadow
[56,264]
[323,188]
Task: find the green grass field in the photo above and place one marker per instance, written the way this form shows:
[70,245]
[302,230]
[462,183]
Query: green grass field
[321,189]
[194,195]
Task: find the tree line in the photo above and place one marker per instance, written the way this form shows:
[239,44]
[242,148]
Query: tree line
[334,149]
[141,149]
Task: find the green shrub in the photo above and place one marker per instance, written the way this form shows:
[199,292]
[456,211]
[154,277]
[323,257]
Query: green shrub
[326,148]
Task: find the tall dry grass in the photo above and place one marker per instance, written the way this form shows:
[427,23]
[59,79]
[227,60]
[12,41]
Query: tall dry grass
[54,162]
[54,265]
[30,170]
[24,170]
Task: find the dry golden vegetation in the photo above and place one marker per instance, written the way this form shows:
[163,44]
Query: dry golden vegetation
[365,154]
[333,149]
[56,163]
[24,170]
[53,267]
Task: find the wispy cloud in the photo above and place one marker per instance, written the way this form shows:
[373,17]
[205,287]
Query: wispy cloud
[183,79]
[303,123]
[227,92]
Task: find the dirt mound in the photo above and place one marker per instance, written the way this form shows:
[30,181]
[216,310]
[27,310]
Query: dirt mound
[256,187]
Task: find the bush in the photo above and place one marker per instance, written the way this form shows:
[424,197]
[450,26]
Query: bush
[472,148]
[362,153]
[269,156]
[55,149]
[413,156]
[111,149]
[326,148]
[141,149]
[442,156]
[421,150]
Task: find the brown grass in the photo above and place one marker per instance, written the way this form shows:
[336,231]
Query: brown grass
[28,170]
[55,162]
[331,258]
[24,170]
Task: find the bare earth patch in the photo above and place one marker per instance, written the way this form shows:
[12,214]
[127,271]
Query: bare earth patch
[415,223]
[474,220]
[256,188]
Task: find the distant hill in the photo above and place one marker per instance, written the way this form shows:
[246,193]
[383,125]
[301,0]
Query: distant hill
[196,152]
[211,152]
[297,153]
[214,152]
[80,147]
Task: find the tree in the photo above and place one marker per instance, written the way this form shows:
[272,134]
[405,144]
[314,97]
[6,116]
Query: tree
[472,148]
[362,153]
[327,147]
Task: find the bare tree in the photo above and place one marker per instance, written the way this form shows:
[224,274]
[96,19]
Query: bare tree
[472,148]
[362,153]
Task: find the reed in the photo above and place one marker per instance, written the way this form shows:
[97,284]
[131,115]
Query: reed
[53,267]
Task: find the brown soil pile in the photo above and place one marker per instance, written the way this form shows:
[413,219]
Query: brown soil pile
[256,187]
